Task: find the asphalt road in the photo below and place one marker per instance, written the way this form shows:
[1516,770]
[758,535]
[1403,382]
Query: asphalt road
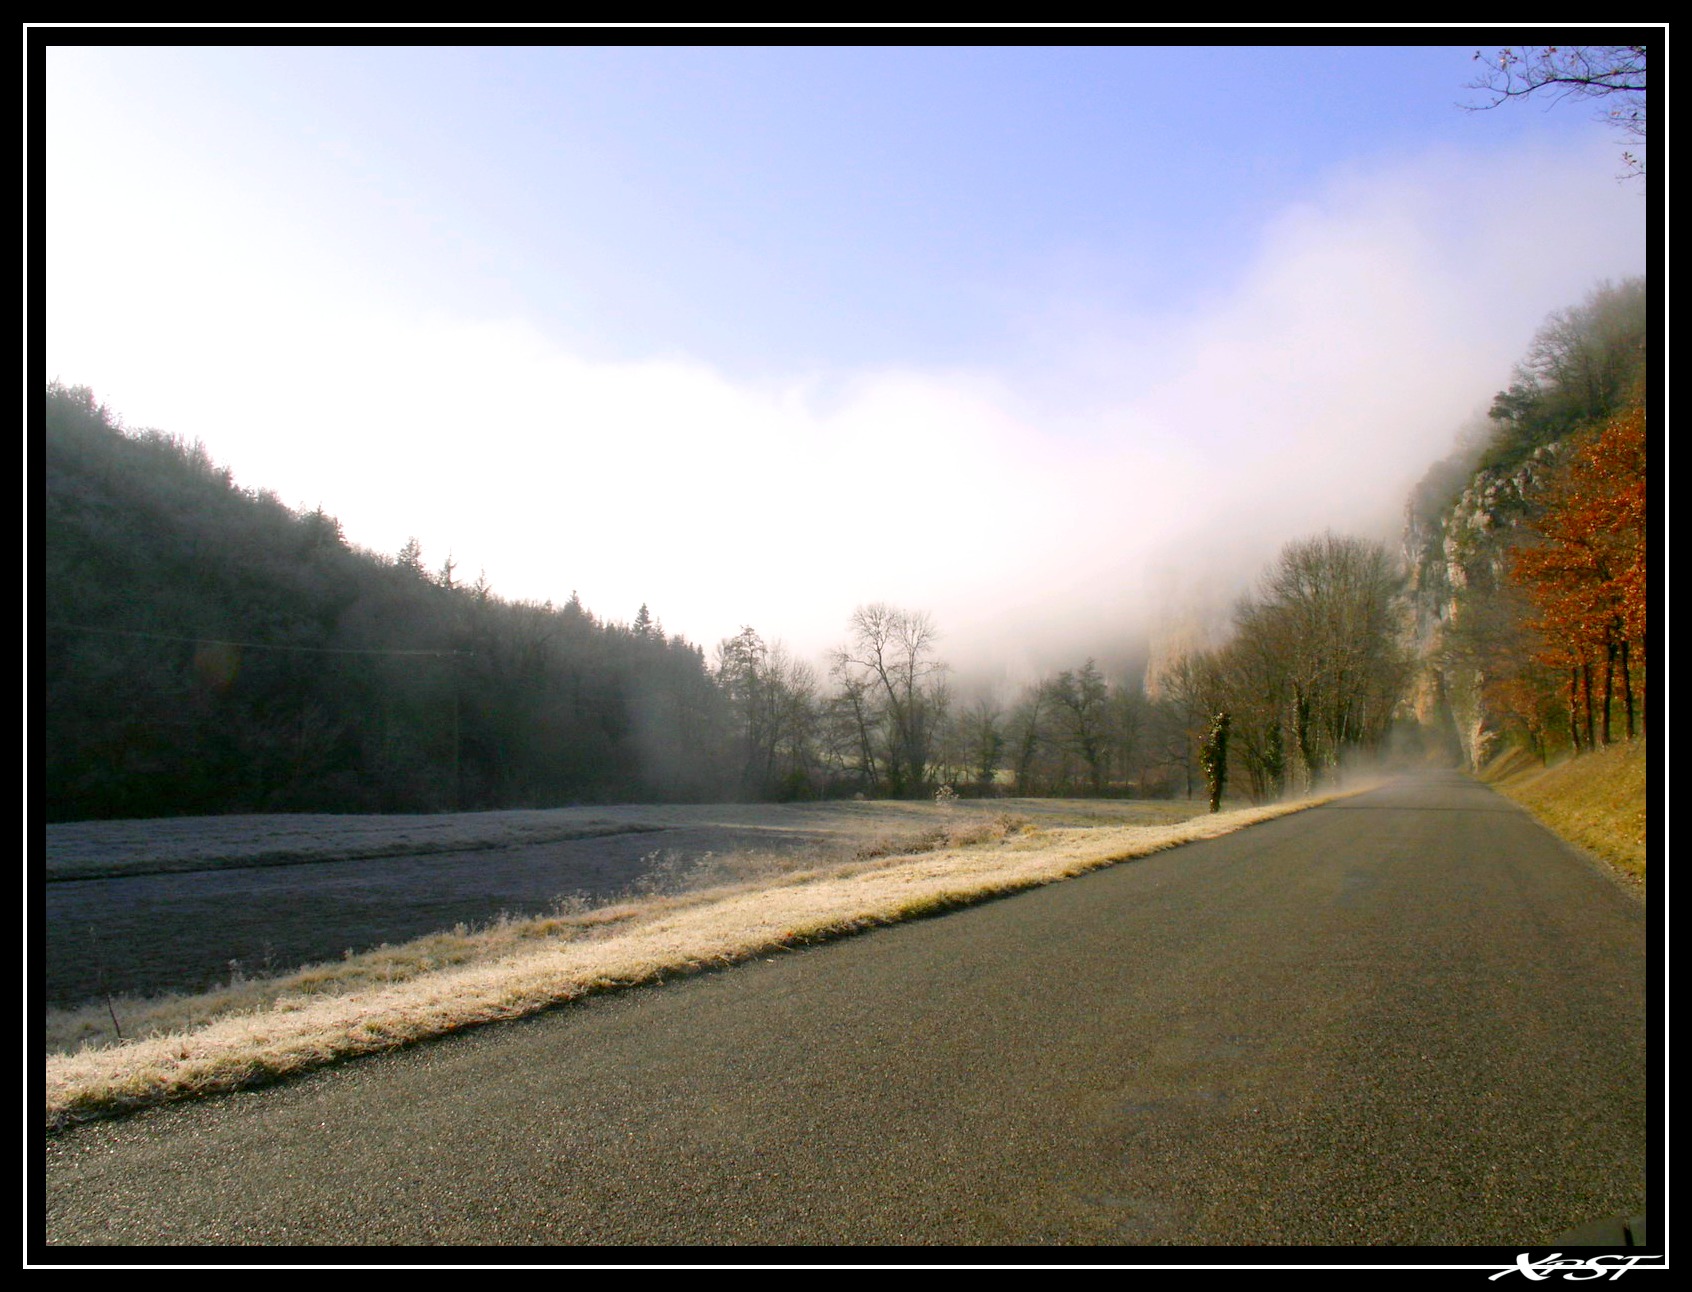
[1411,1017]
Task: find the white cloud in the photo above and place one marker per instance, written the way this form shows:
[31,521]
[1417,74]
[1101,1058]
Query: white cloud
[1376,317]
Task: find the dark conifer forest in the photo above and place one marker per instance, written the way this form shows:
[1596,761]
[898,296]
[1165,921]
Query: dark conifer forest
[208,649]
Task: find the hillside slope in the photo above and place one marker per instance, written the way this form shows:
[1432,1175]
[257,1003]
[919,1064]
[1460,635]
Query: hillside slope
[207,649]
[1598,801]
[1492,676]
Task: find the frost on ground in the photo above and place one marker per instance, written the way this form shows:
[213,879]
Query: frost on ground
[136,908]
[106,849]
[466,976]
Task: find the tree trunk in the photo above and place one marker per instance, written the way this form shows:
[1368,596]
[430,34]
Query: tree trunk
[1586,690]
[1574,708]
[1301,728]
[1644,709]
[1627,689]
[1609,682]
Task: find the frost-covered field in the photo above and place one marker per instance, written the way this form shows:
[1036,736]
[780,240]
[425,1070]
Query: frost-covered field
[137,907]
[714,911]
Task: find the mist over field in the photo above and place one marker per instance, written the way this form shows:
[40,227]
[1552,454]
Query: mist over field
[1066,469]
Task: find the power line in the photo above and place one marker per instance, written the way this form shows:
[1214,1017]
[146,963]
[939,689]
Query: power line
[215,641]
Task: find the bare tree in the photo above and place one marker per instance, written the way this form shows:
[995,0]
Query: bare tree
[1081,698]
[1326,626]
[850,731]
[1190,691]
[1029,737]
[773,697]
[1615,73]
[981,732]
[889,672]
[1252,672]
[1127,721]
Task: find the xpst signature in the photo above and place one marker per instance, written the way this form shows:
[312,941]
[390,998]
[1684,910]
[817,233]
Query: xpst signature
[1593,1267]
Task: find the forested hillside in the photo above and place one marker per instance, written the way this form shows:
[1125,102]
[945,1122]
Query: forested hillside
[206,649]
[1528,547]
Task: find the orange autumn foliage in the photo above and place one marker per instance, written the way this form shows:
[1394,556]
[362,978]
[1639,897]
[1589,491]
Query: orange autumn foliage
[1585,574]
[1587,577]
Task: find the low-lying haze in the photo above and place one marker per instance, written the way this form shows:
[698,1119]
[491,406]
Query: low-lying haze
[1093,464]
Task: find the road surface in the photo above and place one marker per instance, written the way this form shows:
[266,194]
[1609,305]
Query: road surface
[1409,1017]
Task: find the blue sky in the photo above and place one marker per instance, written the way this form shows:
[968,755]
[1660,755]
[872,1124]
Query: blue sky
[1060,344]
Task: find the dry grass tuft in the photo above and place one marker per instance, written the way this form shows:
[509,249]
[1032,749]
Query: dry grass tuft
[262,1029]
[1597,801]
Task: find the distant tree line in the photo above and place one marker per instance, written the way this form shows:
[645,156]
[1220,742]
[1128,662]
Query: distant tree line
[1312,675]
[206,649]
[886,723]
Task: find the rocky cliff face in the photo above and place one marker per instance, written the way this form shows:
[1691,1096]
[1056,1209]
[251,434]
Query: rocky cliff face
[1457,552]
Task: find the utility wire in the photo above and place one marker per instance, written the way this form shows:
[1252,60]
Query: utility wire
[214,641]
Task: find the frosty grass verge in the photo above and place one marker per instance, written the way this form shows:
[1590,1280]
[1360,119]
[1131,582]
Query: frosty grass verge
[679,935]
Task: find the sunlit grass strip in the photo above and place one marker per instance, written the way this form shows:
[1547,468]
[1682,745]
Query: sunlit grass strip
[524,976]
[1597,800]
[666,885]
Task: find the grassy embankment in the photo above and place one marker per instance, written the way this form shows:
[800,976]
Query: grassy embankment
[1596,801]
[261,1030]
